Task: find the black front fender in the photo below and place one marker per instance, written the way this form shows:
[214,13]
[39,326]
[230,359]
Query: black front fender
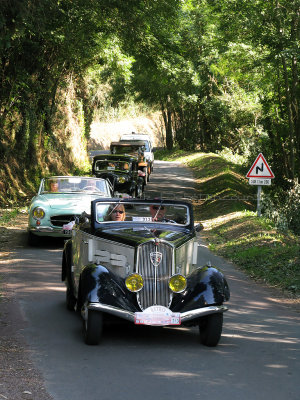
[98,284]
[206,286]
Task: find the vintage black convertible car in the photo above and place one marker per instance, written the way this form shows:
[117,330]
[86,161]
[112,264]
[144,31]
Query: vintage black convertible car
[137,260]
[122,171]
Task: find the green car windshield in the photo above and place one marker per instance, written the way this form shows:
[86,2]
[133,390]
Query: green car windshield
[74,184]
[142,213]
[126,149]
[112,165]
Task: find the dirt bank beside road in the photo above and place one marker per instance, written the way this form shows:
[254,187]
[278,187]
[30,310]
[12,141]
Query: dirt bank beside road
[19,379]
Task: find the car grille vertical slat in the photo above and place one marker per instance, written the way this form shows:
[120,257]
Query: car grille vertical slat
[146,297]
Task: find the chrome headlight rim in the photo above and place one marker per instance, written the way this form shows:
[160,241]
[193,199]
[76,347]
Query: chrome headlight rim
[184,280]
[38,213]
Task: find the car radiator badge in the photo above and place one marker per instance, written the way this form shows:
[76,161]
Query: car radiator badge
[155,258]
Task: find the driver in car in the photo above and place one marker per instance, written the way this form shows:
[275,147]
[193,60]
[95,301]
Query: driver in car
[158,213]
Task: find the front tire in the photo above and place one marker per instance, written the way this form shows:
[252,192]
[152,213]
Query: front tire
[93,327]
[70,300]
[67,275]
[146,179]
[33,240]
[210,328]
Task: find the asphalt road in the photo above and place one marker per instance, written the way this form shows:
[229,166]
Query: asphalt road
[257,358]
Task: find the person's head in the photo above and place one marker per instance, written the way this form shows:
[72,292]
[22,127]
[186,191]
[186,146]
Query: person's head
[117,213]
[53,186]
[157,212]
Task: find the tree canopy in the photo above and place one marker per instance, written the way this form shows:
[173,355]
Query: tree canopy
[223,73]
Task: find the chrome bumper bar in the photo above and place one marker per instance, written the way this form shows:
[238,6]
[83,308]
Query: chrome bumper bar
[43,229]
[47,231]
[129,315]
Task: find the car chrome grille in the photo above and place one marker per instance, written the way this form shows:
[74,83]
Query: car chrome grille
[155,291]
[60,220]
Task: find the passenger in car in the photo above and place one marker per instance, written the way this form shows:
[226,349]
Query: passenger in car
[116,213]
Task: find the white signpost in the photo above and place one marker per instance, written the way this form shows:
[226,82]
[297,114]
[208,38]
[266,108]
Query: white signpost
[260,174]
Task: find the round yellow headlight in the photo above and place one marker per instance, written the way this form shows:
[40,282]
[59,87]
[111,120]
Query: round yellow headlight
[134,282]
[177,283]
[122,179]
[38,213]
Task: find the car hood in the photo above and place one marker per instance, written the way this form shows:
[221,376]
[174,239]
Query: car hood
[79,202]
[137,236]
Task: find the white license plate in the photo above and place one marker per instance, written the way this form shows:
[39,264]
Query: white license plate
[67,228]
[66,232]
[158,316]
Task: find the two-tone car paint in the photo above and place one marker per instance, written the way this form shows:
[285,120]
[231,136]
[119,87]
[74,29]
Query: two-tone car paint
[100,256]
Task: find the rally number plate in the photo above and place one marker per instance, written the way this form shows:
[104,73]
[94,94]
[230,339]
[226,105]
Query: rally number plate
[157,315]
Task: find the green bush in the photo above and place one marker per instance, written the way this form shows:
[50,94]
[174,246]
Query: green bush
[283,207]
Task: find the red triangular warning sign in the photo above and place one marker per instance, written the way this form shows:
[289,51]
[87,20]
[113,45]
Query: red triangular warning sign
[260,169]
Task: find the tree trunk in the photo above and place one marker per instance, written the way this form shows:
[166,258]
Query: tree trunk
[167,116]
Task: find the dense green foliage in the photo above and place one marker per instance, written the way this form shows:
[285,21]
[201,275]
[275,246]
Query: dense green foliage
[223,73]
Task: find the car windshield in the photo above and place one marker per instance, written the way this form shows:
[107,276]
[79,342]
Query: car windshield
[126,149]
[145,143]
[74,184]
[144,213]
[108,165]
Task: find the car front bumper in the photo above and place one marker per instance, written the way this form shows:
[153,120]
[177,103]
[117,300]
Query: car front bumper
[48,231]
[130,316]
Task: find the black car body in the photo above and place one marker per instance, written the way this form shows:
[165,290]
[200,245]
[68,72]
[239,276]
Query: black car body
[142,268]
[121,171]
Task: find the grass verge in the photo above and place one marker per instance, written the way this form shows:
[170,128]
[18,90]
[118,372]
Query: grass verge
[227,209]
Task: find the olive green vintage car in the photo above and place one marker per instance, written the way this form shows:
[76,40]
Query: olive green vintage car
[122,171]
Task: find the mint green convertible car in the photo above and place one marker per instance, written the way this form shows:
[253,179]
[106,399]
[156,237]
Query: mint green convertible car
[60,199]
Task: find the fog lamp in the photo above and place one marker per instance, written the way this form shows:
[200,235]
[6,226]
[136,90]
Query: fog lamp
[177,283]
[134,282]
[38,213]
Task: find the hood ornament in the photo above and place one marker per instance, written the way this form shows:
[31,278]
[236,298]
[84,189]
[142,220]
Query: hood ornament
[155,258]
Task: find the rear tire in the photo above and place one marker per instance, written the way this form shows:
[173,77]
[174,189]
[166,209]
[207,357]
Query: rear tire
[210,328]
[93,327]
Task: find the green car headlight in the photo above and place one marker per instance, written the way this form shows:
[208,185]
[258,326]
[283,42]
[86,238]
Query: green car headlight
[134,282]
[38,213]
[177,283]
